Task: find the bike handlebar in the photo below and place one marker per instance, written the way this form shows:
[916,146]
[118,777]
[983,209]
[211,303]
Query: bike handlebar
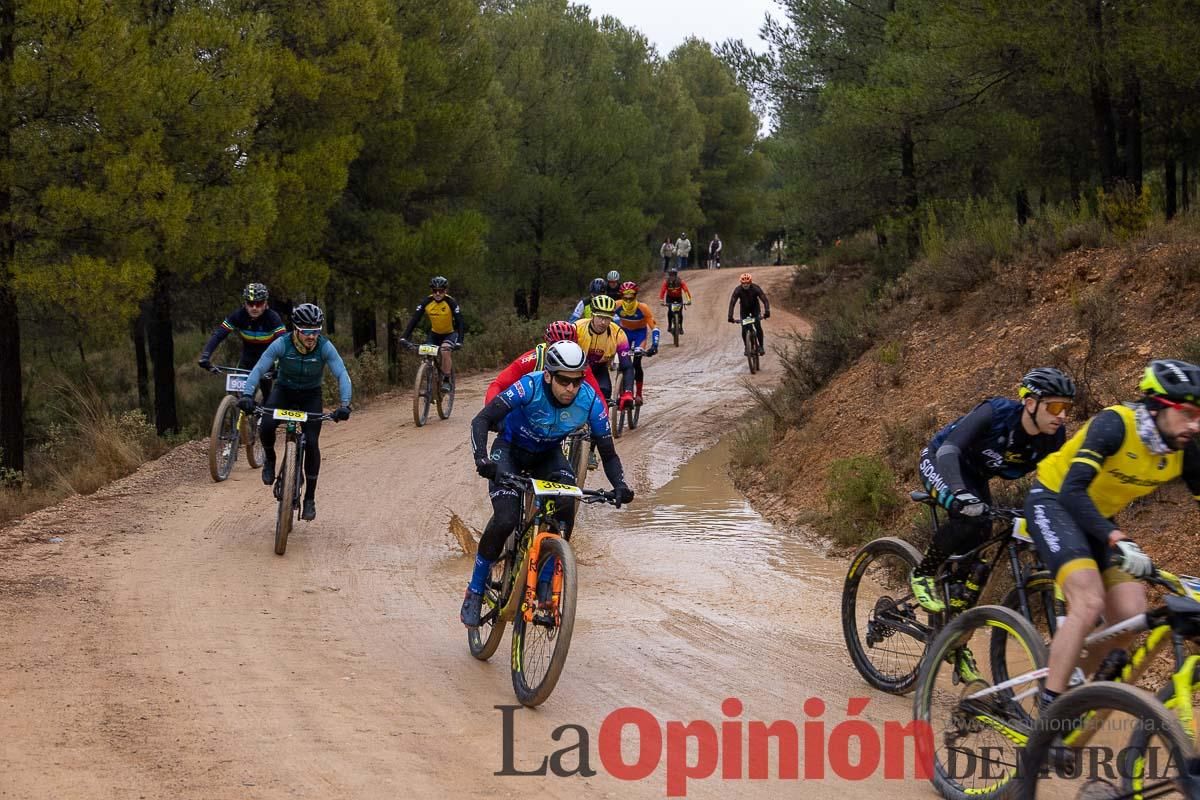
[324,416]
[523,483]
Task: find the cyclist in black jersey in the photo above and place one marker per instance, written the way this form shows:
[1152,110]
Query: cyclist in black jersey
[1001,438]
[255,324]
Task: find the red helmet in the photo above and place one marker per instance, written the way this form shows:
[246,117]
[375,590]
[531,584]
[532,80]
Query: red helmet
[745,279]
[629,286]
[561,331]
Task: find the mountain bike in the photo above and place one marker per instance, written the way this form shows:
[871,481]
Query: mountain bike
[289,476]
[1002,705]
[750,338]
[675,319]
[231,427]
[580,451]
[427,388]
[533,585]
[630,414]
[887,631]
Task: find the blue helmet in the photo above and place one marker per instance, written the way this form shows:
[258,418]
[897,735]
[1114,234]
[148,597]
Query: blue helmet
[597,286]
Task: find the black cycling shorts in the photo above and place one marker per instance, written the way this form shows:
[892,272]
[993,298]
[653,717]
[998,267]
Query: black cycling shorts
[1063,546]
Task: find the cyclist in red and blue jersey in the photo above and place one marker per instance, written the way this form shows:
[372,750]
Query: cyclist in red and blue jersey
[255,324]
[637,320]
[535,359]
[534,416]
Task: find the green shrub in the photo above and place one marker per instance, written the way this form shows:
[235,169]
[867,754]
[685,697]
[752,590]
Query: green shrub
[861,498]
[1125,211]
[751,444]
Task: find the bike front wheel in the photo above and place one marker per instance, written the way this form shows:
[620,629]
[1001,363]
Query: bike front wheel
[422,393]
[445,400]
[539,647]
[287,497]
[223,439]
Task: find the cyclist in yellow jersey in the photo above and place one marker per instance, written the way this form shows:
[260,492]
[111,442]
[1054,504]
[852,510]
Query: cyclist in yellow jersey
[446,329]
[1123,453]
[602,340]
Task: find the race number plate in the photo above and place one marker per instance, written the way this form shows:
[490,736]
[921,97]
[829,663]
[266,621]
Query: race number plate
[748,320]
[288,414]
[1021,531]
[428,350]
[547,488]
[234,383]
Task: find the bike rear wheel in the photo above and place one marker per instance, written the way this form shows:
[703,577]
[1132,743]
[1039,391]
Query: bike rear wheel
[577,456]
[287,496]
[255,454]
[223,440]
[881,621]
[539,648]
[422,389]
[620,423]
[635,414]
[445,400]
[1039,593]
[977,731]
[485,639]
[751,339]
[1161,764]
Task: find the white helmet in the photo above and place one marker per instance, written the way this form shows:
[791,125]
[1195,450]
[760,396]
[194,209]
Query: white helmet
[565,356]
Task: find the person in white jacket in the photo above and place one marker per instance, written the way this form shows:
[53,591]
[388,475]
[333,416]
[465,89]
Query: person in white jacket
[666,251]
[683,249]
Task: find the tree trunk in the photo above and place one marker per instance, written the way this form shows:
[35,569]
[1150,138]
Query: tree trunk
[330,313]
[362,327]
[1169,187]
[138,334]
[1103,119]
[12,409]
[1022,207]
[908,174]
[1131,134]
[1185,184]
[162,354]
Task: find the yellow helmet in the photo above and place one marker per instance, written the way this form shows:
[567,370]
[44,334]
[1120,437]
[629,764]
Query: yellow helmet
[603,304]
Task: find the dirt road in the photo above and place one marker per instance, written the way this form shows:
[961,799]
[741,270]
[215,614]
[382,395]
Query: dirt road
[152,645]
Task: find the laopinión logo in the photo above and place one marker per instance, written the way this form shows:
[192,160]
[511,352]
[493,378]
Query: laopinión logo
[731,749]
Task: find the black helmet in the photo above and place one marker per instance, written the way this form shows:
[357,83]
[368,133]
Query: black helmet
[1175,380]
[254,293]
[307,315]
[597,286]
[439,282]
[1046,382]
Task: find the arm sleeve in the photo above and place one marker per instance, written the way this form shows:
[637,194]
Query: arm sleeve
[510,375]
[590,377]
[1104,435]
[333,360]
[763,296]
[663,291]
[687,296]
[412,323]
[577,313]
[732,299]
[949,454]
[265,362]
[601,429]
[460,326]
[279,329]
[214,341]
[489,418]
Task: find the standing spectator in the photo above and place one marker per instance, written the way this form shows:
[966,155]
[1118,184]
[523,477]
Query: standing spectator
[714,252]
[666,251]
[683,249]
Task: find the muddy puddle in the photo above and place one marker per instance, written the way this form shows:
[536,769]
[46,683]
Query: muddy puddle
[699,509]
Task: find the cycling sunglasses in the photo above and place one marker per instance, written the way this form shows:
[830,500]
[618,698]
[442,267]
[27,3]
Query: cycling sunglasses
[256,303]
[564,381]
[1056,407]
[1187,408]
[308,331]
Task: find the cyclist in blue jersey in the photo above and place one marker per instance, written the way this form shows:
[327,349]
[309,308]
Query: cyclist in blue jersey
[299,361]
[999,438]
[535,415]
[255,324]
[583,309]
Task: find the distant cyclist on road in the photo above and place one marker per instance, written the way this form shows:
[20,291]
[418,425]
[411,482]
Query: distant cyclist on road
[255,324]
[446,328]
[583,309]
[999,438]
[535,361]
[300,361]
[714,252]
[675,290]
[637,320]
[535,415]
[602,340]
[748,294]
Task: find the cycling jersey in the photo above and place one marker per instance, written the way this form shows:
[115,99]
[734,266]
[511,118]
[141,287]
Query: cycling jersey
[583,310]
[675,294]
[444,316]
[537,423]
[532,361]
[297,370]
[988,442]
[748,297]
[601,347]
[636,319]
[256,334]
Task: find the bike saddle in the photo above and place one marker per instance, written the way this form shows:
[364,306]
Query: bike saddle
[1183,613]
[921,497]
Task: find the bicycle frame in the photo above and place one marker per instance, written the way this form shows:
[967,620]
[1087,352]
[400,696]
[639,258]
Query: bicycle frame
[538,517]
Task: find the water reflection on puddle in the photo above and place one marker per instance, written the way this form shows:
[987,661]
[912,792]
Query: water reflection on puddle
[701,505]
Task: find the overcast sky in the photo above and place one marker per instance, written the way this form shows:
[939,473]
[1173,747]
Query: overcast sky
[667,23]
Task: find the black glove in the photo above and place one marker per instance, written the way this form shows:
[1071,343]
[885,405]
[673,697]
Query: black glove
[624,494]
[246,403]
[204,363]
[968,505]
[653,351]
[341,414]
[731,319]
[486,468]
[767,315]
